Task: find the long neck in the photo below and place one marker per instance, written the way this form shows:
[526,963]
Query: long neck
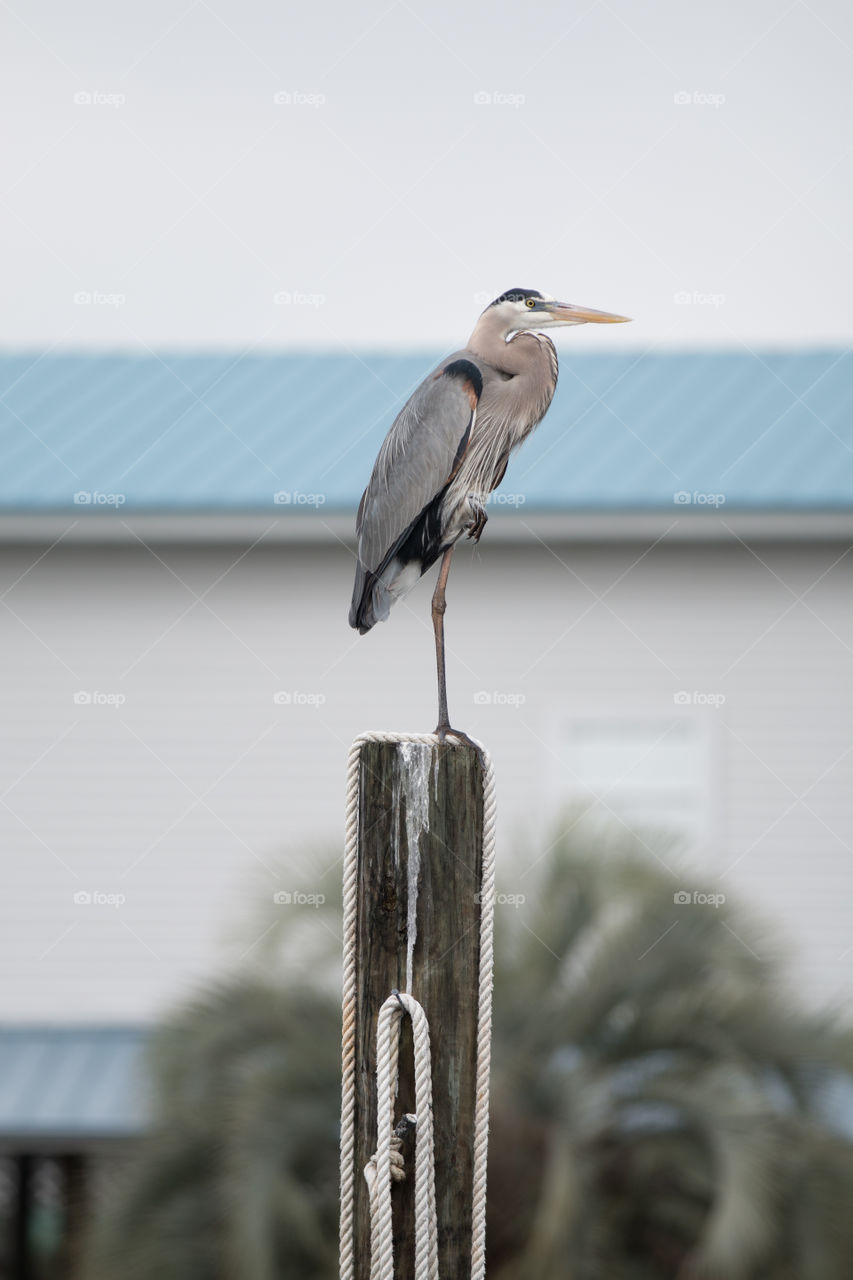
[530,363]
[523,354]
[488,341]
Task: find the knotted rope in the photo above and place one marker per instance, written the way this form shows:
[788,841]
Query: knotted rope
[385,1164]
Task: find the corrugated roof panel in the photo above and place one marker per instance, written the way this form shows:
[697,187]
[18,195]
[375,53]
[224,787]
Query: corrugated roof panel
[59,1082]
[226,432]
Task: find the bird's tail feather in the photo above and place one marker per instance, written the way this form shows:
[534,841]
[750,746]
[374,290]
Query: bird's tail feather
[373,597]
[374,606]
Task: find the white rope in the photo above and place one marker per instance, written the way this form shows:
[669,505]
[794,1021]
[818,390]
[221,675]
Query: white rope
[426,1231]
[387,1047]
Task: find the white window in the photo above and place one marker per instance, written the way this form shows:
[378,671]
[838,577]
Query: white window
[650,771]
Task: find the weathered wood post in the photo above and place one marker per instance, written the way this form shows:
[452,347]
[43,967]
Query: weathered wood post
[417,929]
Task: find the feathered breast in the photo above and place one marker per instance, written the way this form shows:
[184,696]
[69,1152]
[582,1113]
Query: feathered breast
[513,403]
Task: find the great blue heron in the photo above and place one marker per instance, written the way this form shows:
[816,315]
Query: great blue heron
[448,449]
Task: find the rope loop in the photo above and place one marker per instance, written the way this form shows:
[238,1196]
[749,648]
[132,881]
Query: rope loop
[426,1230]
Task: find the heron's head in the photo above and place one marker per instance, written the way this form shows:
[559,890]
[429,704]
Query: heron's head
[528,309]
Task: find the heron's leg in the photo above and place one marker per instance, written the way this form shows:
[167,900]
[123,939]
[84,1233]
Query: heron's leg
[439,605]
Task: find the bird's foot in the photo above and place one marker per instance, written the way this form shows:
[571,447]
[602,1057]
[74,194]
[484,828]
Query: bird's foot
[445,731]
[479,522]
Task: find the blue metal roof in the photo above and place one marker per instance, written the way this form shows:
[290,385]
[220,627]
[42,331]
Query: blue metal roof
[72,1082]
[220,432]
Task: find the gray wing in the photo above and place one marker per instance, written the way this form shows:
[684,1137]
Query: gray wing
[420,454]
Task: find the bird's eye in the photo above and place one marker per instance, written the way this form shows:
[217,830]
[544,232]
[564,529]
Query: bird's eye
[530,302]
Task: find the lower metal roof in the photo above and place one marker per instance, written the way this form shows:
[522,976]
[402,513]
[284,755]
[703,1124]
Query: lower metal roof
[71,1084]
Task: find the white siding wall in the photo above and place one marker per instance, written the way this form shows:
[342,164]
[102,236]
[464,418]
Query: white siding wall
[182,798]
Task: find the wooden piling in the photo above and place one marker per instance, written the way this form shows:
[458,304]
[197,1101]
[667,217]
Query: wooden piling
[420,840]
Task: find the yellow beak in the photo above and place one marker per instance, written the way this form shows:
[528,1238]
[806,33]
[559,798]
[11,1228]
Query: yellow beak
[568,313]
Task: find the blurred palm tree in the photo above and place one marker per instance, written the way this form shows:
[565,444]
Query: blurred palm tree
[239,1177]
[661,1109]
[690,1120]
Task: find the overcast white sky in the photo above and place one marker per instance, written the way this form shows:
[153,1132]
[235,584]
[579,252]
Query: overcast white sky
[149,168]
